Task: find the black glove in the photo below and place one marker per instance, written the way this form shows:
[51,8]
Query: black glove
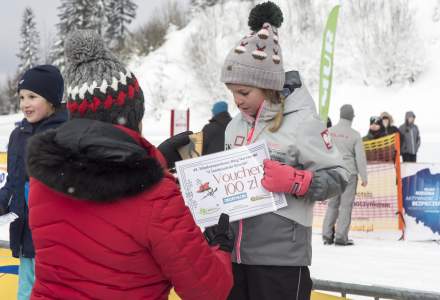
[169,147]
[219,234]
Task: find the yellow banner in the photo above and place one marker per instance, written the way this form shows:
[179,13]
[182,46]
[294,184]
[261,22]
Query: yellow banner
[375,207]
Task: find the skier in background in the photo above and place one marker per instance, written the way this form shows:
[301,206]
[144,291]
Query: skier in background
[388,124]
[410,142]
[349,143]
[214,131]
[376,129]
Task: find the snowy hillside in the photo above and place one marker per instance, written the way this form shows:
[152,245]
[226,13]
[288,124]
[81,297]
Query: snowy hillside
[185,71]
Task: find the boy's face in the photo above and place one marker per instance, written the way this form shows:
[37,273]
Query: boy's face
[34,107]
[248,99]
[374,127]
[411,120]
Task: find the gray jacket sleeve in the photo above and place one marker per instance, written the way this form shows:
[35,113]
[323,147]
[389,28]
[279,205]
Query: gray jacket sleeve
[418,141]
[330,177]
[361,159]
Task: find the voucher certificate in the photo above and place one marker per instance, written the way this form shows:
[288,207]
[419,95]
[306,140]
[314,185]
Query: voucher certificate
[227,182]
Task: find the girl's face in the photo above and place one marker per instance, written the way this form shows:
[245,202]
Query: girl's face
[248,99]
[34,107]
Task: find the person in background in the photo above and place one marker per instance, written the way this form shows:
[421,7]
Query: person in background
[410,134]
[329,122]
[40,92]
[214,131]
[376,129]
[273,251]
[388,124]
[108,220]
[349,143]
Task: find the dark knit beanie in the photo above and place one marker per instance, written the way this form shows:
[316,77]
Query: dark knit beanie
[375,120]
[46,81]
[99,87]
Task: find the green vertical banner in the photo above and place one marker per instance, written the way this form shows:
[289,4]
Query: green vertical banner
[326,69]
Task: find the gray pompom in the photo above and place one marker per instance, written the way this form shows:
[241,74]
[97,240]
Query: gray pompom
[89,60]
[85,45]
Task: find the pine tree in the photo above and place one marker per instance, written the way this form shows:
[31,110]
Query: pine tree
[29,44]
[120,13]
[13,105]
[436,14]
[76,14]
[4,101]
[66,24]
[90,14]
[202,4]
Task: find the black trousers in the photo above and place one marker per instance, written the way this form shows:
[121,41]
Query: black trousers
[270,283]
[409,157]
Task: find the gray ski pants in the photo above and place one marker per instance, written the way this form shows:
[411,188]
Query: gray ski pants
[339,212]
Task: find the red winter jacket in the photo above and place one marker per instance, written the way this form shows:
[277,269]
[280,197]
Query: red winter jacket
[108,224]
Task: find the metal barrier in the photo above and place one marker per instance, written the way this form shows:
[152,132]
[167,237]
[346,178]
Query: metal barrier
[4,244]
[374,291]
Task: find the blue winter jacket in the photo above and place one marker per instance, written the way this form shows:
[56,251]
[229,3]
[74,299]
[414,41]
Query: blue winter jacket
[12,195]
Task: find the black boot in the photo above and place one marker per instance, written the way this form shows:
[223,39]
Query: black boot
[327,241]
[344,243]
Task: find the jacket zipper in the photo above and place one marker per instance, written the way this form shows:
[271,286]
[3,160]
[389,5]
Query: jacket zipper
[240,223]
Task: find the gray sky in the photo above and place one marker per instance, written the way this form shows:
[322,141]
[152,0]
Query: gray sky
[46,17]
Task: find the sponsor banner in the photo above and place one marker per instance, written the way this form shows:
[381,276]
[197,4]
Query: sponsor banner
[375,206]
[421,201]
[326,68]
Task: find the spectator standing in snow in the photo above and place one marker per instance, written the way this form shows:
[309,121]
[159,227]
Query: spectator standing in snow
[376,129]
[388,124]
[410,143]
[40,91]
[214,131]
[349,143]
[108,221]
[273,251]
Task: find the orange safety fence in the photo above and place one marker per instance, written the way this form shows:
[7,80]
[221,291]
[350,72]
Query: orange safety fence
[387,149]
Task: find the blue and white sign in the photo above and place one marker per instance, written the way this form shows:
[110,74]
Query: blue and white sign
[421,201]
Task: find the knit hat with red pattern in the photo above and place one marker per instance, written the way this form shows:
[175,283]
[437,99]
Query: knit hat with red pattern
[256,60]
[99,86]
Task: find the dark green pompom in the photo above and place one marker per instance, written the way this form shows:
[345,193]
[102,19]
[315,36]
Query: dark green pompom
[265,12]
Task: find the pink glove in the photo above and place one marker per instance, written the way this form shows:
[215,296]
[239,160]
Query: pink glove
[281,178]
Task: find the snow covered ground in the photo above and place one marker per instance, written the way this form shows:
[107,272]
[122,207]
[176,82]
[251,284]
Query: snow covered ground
[410,265]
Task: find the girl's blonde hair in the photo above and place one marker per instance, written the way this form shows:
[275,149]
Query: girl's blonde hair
[276,98]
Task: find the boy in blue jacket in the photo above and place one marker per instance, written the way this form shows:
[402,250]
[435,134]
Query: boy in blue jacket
[40,92]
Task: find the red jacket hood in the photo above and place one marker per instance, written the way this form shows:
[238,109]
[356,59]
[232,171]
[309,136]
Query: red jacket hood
[96,161]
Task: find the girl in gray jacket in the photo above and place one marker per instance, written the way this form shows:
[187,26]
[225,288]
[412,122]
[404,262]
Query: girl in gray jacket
[273,251]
